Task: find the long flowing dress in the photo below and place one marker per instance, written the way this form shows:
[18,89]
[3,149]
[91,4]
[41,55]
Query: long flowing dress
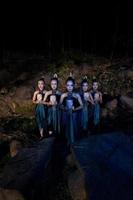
[96,111]
[53,118]
[70,118]
[84,113]
[40,113]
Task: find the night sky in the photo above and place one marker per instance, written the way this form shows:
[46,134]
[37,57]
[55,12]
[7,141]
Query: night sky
[98,27]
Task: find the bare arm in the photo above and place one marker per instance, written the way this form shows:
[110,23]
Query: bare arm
[45,98]
[34,97]
[46,95]
[91,100]
[61,100]
[100,97]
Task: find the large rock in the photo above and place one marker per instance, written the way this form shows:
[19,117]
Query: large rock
[128,74]
[17,99]
[112,105]
[24,171]
[127,101]
[104,164]
[10,195]
[76,180]
[5,110]
[15,147]
[16,105]
[24,92]
[110,109]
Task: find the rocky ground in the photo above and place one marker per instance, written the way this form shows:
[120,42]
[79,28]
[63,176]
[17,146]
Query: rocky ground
[20,73]
[18,78]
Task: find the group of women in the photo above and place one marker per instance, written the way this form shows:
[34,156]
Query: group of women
[67,113]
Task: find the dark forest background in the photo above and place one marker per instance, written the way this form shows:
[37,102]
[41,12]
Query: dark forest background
[100,28]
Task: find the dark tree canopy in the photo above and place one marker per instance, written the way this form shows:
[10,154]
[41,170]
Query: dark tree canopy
[98,28]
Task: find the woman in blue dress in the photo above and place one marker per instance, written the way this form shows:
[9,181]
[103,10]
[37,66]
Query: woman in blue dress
[97,98]
[40,111]
[87,100]
[52,99]
[70,104]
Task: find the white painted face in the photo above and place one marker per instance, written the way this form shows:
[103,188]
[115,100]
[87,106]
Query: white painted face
[95,86]
[70,86]
[54,84]
[53,99]
[85,87]
[41,85]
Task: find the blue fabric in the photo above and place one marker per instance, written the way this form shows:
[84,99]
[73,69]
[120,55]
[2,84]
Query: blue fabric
[96,113]
[40,114]
[54,118]
[69,120]
[84,117]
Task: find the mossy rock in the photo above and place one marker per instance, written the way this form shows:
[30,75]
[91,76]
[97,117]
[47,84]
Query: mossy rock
[26,108]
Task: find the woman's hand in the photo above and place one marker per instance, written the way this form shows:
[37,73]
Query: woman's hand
[73,109]
[37,102]
[49,103]
[53,103]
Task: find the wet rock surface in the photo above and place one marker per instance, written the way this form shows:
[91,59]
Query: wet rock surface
[24,171]
[105,161]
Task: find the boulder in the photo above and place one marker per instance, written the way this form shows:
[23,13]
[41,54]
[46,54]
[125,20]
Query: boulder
[127,101]
[24,171]
[4,109]
[129,74]
[112,105]
[24,92]
[10,195]
[15,147]
[103,166]
[110,109]
[76,179]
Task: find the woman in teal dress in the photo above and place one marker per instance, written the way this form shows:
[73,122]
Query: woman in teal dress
[70,104]
[87,100]
[40,111]
[52,99]
[97,98]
